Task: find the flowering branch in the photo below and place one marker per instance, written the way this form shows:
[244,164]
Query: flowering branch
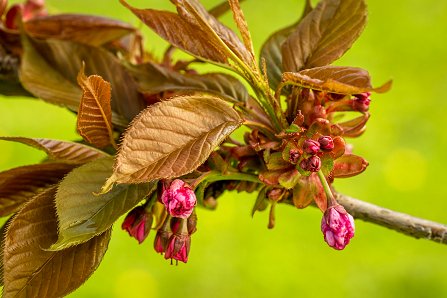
[400,222]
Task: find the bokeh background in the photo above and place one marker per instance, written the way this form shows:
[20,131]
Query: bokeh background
[234,255]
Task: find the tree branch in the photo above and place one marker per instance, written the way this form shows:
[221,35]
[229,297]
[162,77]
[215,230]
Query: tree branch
[400,222]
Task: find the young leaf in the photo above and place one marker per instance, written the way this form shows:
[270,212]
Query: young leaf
[354,127]
[309,189]
[42,80]
[55,81]
[95,112]
[31,271]
[172,138]
[3,5]
[194,12]
[67,152]
[349,165]
[324,35]
[81,214]
[334,79]
[261,202]
[220,9]
[154,78]
[86,29]
[20,184]
[242,25]
[180,33]
[271,49]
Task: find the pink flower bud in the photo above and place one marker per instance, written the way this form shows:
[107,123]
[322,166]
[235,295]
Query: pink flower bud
[179,244]
[311,146]
[326,143]
[337,226]
[161,240]
[312,164]
[361,102]
[179,199]
[138,223]
[192,223]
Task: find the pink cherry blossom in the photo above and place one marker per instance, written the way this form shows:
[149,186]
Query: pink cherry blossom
[179,199]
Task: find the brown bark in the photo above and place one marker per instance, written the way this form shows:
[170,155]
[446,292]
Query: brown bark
[400,222]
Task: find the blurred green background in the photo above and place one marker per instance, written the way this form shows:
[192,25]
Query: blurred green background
[233,255]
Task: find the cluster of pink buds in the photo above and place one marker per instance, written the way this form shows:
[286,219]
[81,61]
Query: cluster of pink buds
[174,237]
[312,147]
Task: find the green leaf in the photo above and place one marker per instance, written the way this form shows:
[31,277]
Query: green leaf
[31,271]
[20,184]
[261,202]
[275,162]
[334,79]
[83,215]
[172,138]
[289,179]
[271,49]
[325,34]
[67,152]
[349,165]
[154,78]
[327,164]
[86,29]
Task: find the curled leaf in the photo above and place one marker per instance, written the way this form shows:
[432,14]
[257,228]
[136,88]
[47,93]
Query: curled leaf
[172,138]
[95,112]
[334,79]
[349,165]
[354,127]
[86,29]
[242,25]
